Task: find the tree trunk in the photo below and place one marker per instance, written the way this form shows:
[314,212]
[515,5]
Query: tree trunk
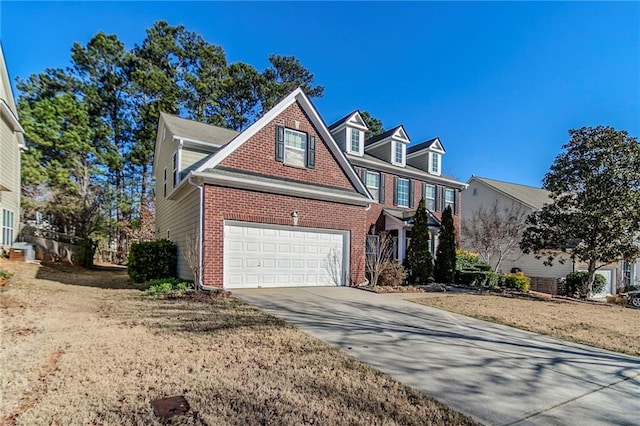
[591,276]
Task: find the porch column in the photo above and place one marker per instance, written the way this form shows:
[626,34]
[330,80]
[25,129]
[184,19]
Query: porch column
[402,239]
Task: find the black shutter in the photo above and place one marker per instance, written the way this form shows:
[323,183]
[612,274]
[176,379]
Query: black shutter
[436,194]
[279,143]
[412,190]
[455,201]
[395,190]
[311,152]
[381,188]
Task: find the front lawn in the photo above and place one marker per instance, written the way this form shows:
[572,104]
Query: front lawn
[84,348]
[605,326]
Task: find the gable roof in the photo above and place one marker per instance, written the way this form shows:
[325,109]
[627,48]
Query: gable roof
[425,145]
[196,131]
[529,195]
[348,117]
[296,96]
[8,105]
[386,135]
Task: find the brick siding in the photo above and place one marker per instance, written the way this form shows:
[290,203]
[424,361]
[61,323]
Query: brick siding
[236,204]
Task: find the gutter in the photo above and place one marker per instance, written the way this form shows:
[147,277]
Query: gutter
[200,235]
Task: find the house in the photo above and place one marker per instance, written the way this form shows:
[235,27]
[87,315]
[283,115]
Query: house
[288,202]
[397,175]
[11,146]
[483,192]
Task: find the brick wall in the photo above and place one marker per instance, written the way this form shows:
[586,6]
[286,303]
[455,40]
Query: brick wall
[257,155]
[235,204]
[374,214]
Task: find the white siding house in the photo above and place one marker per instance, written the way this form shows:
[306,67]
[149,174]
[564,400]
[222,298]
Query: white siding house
[11,146]
[483,192]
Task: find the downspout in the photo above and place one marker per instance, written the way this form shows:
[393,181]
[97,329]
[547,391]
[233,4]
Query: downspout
[201,235]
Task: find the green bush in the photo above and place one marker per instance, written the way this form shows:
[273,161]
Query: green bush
[168,287]
[152,259]
[86,252]
[517,281]
[476,278]
[5,274]
[576,284]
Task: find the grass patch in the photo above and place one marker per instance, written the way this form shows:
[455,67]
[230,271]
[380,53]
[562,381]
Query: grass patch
[116,350]
[604,326]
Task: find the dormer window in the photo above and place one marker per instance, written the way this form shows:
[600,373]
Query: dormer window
[398,154]
[435,163]
[356,138]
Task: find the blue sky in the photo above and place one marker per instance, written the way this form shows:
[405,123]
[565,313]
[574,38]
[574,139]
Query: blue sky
[499,83]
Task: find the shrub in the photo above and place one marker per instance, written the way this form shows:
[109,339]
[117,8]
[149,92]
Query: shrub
[419,262]
[86,252]
[393,275]
[445,265]
[576,284]
[5,275]
[476,278]
[152,259]
[517,281]
[168,287]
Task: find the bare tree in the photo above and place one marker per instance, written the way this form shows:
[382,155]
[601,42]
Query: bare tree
[495,232]
[379,249]
[192,256]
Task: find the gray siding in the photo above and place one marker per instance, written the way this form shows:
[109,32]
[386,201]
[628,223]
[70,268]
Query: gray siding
[486,196]
[340,138]
[383,151]
[177,218]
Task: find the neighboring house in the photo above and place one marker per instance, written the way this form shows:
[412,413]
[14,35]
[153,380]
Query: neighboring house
[398,176]
[483,192]
[11,146]
[280,204]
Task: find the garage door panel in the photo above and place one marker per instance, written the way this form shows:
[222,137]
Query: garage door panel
[258,255]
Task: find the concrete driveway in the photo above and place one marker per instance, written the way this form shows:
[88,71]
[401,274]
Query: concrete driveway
[499,375]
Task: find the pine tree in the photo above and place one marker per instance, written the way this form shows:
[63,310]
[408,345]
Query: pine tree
[419,261]
[446,253]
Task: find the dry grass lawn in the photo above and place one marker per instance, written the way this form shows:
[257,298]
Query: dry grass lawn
[605,326]
[82,347]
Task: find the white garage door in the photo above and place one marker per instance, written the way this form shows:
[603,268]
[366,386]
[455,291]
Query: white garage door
[260,255]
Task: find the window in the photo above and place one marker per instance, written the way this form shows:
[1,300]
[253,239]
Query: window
[175,169]
[450,199]
[398,154]
[402,192]
[164,183]
[355,141]
[429,196]
[628,271]
[7,227]
[372,245]
[295,147]
[372,182]
[435,163]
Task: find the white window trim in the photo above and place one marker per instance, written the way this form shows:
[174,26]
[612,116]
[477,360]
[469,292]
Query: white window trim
[445,203]
[377,188]
[424,195]
[10,229]
[349,135]
[394,144]
[303,150]
[430,159]
[397,196]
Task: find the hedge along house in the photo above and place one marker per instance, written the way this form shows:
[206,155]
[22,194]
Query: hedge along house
[278,204]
